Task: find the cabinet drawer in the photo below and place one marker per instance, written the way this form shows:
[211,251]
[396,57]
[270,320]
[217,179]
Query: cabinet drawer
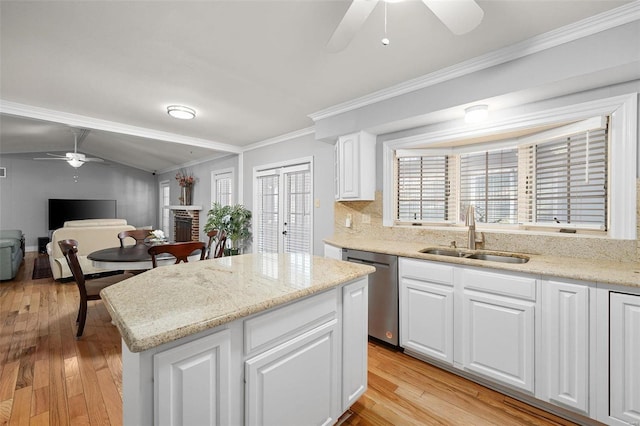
[499,283]
[271,328]
[426,271]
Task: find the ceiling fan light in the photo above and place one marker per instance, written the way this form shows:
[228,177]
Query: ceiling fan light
[181,112]
[74,162]
[476,113]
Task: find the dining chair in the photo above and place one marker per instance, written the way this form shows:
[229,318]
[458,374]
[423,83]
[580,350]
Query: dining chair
[218,250]
[181,251]
[137,234]
[89,288]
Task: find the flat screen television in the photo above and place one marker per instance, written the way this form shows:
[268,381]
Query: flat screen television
[61,210]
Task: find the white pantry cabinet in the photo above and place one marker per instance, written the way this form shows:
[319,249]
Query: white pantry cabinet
[498,327]
[624,353]
[565,343]
[426,308]
[355,167]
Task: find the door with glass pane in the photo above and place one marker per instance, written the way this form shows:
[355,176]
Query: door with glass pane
[165,213]
[283,209]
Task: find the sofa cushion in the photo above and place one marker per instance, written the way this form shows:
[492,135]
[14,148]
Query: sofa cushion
[94,222]
[11,233]
[10,242]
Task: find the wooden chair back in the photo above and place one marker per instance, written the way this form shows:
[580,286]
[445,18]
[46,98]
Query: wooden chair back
[88,290]
[180,251]
[137,234]
[220,237]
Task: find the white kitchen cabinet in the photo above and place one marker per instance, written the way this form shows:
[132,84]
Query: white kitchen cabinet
[191,382]
[624,357]
[498,327]
[332,252]
[296,382]
[426,308]
[565,343]
[355,299]
[355,167]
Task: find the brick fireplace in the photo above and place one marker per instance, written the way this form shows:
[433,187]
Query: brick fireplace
[186,223]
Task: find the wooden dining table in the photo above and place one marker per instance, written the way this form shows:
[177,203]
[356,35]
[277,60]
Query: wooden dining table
[131,258]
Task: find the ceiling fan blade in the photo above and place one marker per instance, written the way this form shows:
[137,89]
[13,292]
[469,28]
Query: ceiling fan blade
[460,16]
[95,160]
[51,158]
[353,19]
[56,155]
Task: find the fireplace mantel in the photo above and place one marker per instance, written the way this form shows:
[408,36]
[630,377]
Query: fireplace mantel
[185,207]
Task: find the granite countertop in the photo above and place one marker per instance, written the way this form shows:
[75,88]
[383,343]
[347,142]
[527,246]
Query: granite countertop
[620,273]
[171,302]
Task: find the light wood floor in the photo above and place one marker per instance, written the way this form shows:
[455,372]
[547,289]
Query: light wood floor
[49,377]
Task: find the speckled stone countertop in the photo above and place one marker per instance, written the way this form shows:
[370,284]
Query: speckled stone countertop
[171,302]
[621,273]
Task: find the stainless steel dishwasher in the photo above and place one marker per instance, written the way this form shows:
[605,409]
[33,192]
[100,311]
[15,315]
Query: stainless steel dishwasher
[383,293]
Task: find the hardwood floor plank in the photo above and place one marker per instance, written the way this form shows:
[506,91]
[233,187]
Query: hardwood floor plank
[95,404]
[112,399]
[8,380]
[40,402]
[40,420]
[58,411]
[21,412]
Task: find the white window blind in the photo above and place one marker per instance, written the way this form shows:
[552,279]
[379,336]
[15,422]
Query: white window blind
[298,212]
[423,188]
[567,180]
[267,195]
[224,188]
[489,182]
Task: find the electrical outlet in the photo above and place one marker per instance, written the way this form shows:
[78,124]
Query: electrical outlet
[317,203]
[366,218]
[348,221]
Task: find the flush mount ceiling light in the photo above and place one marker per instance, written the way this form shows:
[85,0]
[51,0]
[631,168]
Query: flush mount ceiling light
[181,112]
[476,113]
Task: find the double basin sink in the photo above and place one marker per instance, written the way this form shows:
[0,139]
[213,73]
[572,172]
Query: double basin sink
[470,254]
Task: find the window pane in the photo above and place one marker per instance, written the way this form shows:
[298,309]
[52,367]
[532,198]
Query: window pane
[489,182]
[571,180]
[267,220]
[423,189]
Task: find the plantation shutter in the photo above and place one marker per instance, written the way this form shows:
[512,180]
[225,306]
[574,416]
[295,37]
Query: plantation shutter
[567,177]
[423,188]
[267,195]
[489,182]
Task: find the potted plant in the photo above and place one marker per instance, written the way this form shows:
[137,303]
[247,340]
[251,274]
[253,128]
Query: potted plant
[235,221]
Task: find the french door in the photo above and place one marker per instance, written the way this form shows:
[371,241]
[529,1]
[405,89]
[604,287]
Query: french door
[283,198]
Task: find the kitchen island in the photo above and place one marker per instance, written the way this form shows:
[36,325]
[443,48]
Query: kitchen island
[252,339]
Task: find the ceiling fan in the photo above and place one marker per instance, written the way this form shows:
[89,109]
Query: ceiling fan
[75,158]
[460,16]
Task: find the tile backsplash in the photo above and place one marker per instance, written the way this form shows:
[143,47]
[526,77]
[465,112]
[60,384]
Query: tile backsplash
[366,218]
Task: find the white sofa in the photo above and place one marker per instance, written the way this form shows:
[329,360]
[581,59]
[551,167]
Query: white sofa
[92,235]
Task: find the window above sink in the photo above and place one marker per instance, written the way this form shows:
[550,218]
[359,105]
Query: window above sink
[564,169]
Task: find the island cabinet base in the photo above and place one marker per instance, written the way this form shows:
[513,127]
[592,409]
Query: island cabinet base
[300,363]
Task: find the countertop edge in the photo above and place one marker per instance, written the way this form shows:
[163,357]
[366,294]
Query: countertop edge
[607,272]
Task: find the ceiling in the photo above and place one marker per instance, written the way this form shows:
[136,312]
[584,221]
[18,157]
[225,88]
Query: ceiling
[253,70]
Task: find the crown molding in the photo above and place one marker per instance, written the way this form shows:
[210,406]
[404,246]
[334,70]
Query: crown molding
[613,18]
[282,138]
[75,120]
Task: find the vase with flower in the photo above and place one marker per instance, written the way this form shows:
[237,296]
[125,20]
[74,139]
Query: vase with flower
[186,181]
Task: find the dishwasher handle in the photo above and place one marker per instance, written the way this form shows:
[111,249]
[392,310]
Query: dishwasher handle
[367,262]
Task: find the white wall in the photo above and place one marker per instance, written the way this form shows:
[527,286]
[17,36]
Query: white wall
[24,193]
[304,146]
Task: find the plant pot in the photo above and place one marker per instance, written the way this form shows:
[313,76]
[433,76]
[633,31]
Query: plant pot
[231,251]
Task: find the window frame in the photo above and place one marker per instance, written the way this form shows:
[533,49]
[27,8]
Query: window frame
[623,111]
[217,174]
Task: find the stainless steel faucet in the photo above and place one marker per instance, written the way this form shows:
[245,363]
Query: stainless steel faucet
[470,221]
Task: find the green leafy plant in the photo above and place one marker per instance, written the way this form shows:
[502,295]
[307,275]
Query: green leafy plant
[235,221]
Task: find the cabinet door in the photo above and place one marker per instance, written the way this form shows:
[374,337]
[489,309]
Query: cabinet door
[498,338]
[624,357]
[295,383]
[354,341]
[426,319]
[565,334]
[349,164]
[191,382]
